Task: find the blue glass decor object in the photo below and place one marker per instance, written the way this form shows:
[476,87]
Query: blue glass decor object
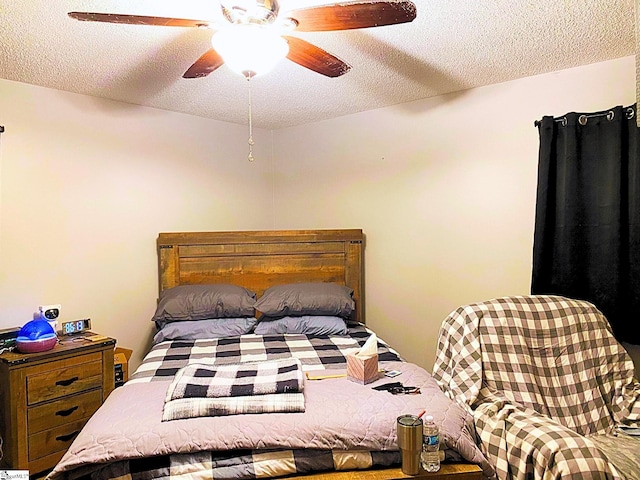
[36,336]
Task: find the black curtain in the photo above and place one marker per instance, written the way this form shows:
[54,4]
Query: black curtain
[587,226]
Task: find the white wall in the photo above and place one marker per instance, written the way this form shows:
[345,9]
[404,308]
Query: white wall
[87,184]
[444,190]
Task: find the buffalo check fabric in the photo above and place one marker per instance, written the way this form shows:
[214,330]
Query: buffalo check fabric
[543,376]
[209,381]
[217,406]
[265,387]
[315,353]
[243,464]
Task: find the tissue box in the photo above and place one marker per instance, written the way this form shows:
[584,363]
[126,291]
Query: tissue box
[362,368]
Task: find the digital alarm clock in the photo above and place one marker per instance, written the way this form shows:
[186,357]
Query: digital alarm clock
[75,326]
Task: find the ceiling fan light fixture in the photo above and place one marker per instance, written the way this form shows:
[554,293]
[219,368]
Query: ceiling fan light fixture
[250,49]
[246,11]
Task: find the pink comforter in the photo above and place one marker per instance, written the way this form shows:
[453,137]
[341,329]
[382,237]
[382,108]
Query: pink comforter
[340,414]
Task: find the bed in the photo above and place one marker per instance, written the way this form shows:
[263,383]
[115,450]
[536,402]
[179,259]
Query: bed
[318,421]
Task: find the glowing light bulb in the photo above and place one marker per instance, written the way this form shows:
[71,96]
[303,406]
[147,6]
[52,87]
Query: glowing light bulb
[250,49]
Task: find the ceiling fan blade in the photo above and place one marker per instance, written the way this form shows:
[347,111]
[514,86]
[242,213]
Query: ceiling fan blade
[346,16]
[207,63]
[138,20]
[314,58]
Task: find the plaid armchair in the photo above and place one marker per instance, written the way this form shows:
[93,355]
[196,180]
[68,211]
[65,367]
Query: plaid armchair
[548,386]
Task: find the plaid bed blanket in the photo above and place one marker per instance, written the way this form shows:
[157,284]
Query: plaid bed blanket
[314,353]
[243,464]
[542,376]
[208,381]
[345,426]
[265,387]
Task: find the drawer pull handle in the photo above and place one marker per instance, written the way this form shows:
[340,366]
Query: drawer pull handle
[66,383]
[66,438]
[67,412]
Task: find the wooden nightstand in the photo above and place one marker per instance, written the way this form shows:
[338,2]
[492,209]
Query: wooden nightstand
[46,398]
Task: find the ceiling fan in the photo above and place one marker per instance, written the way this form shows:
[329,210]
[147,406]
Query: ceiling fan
[264,15]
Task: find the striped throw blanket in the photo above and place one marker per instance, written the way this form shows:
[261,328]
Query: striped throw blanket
[207,390]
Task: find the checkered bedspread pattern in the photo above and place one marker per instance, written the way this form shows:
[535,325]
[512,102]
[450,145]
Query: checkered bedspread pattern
[243,464]
[541,374]
[314,353]
[264,387]
[261,378]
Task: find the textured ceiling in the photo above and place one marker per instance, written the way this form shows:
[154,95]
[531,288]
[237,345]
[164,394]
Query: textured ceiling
[452,45]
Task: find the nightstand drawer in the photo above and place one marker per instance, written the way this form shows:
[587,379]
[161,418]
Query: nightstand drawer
[66,410]
[55,440]
[65,378]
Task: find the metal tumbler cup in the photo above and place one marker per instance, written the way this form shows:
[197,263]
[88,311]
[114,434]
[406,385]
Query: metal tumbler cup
[410,442]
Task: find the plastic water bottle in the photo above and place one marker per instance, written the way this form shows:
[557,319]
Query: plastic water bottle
[430,457]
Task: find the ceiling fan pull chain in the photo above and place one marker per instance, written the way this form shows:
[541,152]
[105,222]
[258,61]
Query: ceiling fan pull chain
[250,122]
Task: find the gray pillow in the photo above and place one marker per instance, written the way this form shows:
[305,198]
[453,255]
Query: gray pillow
[204,329]
[305,324]
[203,302]
[306,299]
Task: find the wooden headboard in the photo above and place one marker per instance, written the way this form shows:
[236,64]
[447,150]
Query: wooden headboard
[260,259]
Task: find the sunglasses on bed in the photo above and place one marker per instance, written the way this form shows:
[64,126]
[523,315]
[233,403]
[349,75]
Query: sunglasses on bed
[396,388]
[404,390]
